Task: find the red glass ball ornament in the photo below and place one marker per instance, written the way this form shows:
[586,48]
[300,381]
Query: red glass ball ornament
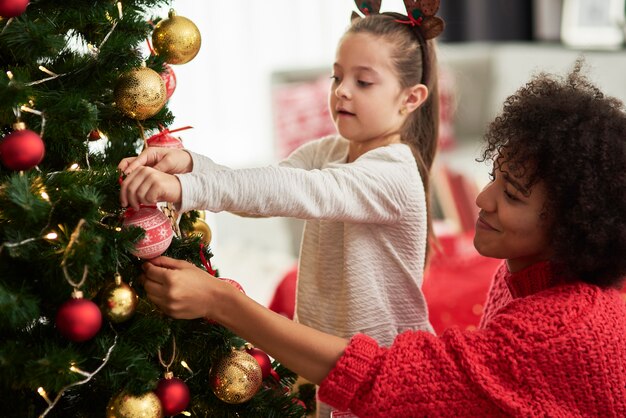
[263,360]
[164,140]
[12,8]
[169,78]
[78,319]
[158,229]
[22,149]
[173,394]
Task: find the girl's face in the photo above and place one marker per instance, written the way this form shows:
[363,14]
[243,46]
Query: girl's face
[510,225]
[366,97]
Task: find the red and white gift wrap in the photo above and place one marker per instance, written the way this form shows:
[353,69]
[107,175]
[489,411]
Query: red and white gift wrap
[158,229]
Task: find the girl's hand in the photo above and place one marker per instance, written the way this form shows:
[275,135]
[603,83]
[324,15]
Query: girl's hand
[148,186]
[180,289]
[167,160]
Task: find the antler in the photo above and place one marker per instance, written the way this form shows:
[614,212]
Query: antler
[368,7]
[422,13]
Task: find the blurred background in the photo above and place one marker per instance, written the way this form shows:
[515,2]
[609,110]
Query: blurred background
[258,88]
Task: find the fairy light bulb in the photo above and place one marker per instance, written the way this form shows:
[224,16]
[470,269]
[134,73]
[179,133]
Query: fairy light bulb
[43,394]
[186,366]
[51,235]
[74,167]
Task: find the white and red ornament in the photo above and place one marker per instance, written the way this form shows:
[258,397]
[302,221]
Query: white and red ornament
[164,139]
[263,359]
[157,227]
[22,149]
[169,78]
[12,8]
[78,319]
[173,394]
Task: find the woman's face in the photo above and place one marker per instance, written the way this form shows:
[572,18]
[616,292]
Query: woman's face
[510,224]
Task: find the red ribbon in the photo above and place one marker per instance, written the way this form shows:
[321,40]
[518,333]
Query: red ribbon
[206,263]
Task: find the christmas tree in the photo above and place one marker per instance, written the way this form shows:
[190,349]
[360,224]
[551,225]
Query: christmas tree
[80,90]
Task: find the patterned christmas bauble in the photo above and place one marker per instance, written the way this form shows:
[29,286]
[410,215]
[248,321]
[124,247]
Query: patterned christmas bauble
[78,319]
[176,38]
[124,405]
[22,149]
[173,394]
[158,229]
[236,378]
[12,8]
[140,93]
[169,78]
[118,300]
[263,359]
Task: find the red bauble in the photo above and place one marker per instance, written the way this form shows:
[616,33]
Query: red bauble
[169,78]
[173,394]
[12,8]
[263,360]
[164,140]
[158,231]
[22,149]
[79,319]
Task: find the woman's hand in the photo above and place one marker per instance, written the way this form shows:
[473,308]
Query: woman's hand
[167,160]
[180,289]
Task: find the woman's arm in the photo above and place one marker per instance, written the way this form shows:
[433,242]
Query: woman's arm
[184,291]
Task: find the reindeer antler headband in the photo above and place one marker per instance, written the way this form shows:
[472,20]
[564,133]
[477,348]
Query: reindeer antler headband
[420,15]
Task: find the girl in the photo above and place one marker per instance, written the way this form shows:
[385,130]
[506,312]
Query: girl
[551,342]
[363,192]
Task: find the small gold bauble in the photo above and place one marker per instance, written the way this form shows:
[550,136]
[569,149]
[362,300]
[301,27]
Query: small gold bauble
[140,93]
[176,38]
[201,228]
[119,301]
[236,378]
[124,405]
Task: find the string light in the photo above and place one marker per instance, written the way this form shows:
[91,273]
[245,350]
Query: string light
[10,75]
[47,71]
[186,366]
[41,391]
[186,413]
[51,235]
[45,196]
[74,167]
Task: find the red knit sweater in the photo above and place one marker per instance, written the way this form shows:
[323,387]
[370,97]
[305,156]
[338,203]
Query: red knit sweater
[545,348]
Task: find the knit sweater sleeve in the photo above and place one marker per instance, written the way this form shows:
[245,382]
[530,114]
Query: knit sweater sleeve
[373,189]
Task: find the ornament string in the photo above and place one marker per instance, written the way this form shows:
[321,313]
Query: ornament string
[168,365]
[73,239]
[51,235]
[88,376]
[206,262]
[7,25]
[35,112]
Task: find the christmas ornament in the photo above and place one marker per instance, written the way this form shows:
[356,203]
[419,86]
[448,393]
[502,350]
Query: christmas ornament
[173,394]
[94,135]
[169,78]
[22,149]
[158,229]
[140,93]
[201,229]
[263,359]
[12,8]
[118,300]
[78,319]
[176,38]
[125,405]
[235,378]
[164,140]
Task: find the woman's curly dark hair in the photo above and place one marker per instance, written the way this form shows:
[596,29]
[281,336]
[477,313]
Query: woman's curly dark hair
[566,133]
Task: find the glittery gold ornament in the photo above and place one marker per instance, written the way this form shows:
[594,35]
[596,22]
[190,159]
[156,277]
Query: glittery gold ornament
[176,38]
[236,378]
[140,93]
[119,300]
[201,228]
[125,405]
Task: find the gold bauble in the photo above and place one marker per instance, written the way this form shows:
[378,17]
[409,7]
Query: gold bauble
[176,38]
[124,405]
[236,378]
[119,301]
[140,93]
[201,228]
